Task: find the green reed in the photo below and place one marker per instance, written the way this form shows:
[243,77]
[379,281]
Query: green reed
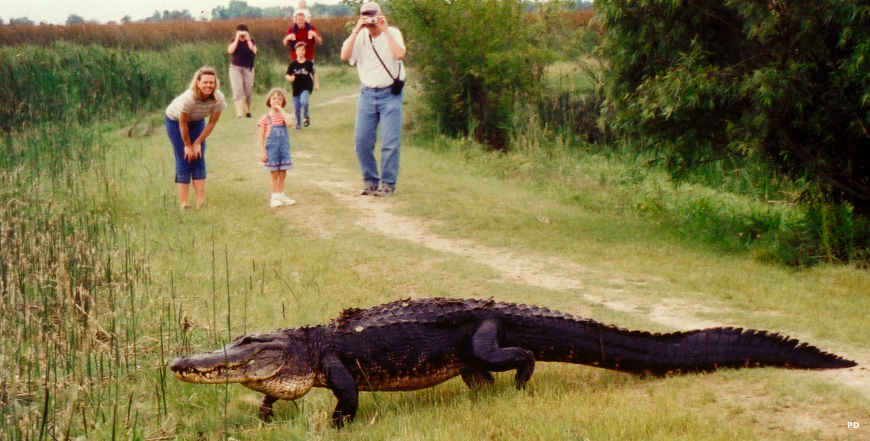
[67,337]
[68,83]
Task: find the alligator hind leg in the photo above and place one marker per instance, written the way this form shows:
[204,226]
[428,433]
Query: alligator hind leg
[490,357]
[266,407]
[474,378]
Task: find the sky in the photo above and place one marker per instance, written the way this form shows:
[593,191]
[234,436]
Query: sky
[57,11]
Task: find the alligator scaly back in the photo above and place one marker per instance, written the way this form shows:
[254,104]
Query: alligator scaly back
[559,337]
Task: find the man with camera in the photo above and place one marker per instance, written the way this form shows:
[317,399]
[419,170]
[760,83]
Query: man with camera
[377,50]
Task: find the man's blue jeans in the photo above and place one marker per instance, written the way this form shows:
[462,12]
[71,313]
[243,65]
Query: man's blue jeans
[378,106]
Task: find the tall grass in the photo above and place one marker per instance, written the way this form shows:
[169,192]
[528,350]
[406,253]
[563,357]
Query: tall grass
[65,278]
[66,82]
[73,288]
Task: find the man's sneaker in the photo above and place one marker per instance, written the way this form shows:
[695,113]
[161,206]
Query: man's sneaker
[369,190]
[285,199]
[385,190]
[306,122]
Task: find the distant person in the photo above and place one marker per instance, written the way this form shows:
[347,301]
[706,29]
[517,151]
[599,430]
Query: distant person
[274,143]
[302,31]
[187,130]
[301,74]
[243,48]
[377,50]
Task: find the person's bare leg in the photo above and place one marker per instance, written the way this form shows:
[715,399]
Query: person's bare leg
[183,192]
[280,184]
[240,108]
[273,188]
[199,189]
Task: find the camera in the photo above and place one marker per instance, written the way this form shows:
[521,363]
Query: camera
[370,20]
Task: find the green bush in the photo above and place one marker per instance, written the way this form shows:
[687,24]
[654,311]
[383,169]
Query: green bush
[784,82]
[825,233]
[476,60]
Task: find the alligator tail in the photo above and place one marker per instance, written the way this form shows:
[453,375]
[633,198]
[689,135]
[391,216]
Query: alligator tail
[592,343]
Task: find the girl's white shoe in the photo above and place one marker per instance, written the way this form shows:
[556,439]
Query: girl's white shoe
[279,199]
[285,199]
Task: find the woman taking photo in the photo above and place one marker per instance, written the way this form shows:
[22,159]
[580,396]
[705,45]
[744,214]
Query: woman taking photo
[244,50]
[187,130]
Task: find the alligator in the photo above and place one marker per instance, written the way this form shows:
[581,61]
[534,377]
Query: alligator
[414,344]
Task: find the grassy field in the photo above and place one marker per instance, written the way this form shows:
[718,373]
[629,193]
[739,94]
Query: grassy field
[177,282]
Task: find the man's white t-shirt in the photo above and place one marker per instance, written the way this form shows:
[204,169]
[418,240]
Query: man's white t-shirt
[371,72]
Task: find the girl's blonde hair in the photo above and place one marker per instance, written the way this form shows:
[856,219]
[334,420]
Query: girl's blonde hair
[205,70]
[274,91]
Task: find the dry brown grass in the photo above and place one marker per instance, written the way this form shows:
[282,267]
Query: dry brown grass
[137,36]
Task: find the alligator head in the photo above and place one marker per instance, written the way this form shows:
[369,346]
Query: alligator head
[275,363]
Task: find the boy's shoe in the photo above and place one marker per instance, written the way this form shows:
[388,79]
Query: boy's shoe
[248,115]
[275,202]
[385,190]
[306,122]
[285,199]
[369,190]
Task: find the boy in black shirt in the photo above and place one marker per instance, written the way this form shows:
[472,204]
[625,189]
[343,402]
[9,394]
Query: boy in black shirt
[301,74]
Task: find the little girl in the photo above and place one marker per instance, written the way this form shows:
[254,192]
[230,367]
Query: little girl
[275,145]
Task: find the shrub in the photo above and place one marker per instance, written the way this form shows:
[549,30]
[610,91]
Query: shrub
[476,60]
[783,82]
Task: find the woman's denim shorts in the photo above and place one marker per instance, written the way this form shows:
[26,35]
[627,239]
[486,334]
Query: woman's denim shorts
[185,170]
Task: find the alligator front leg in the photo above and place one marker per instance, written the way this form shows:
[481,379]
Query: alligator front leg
[490,357]
[343,386]
[266,407]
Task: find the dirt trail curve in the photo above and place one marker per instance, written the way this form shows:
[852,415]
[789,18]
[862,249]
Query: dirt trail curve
[616,291]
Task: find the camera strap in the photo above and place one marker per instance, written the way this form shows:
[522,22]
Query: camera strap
[398,74]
